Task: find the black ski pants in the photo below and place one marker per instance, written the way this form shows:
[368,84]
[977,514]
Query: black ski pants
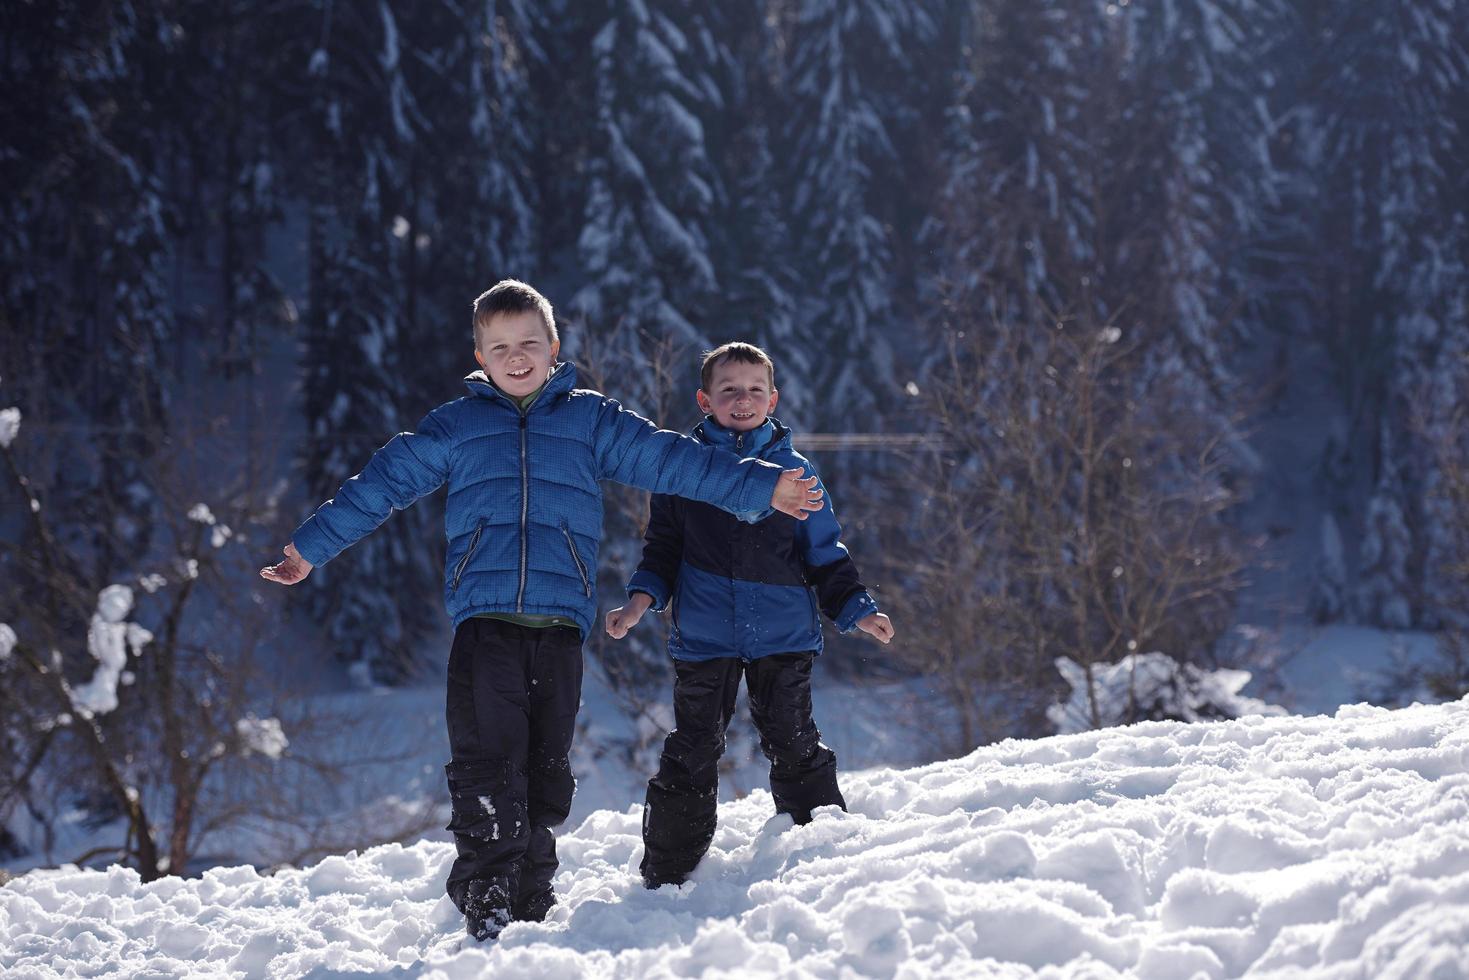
[511,708]
[679,818]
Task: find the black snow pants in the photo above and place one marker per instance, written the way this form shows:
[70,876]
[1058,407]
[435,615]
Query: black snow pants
[511,708]
[679,818]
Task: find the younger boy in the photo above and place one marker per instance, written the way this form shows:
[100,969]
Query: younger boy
[522,455]
[742,606]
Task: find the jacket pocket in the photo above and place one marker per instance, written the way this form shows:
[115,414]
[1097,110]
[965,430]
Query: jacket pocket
[468,554]
[586,584]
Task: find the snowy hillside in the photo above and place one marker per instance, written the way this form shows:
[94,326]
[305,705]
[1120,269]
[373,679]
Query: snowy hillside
[1325,846]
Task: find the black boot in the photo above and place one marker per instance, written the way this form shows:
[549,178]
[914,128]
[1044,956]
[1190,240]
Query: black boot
[654,879]
[535,897]
[487,907]
[533,908]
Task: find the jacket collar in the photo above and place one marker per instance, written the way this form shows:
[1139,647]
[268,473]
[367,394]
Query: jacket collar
[561,380]
[757,442]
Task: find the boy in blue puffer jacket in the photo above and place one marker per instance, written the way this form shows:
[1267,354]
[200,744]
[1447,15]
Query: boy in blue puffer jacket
[522,456]
[742,606]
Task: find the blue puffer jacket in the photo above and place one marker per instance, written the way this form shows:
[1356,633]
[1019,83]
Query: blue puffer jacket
[745,589]
[524,513]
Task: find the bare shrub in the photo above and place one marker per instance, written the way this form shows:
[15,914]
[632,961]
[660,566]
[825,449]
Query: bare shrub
[1077,510]
[194,738]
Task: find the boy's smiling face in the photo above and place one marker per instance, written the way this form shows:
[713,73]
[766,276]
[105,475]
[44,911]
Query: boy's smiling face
[516,351]
[740,395]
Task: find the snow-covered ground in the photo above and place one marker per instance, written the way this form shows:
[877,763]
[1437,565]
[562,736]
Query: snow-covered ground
[1269,847]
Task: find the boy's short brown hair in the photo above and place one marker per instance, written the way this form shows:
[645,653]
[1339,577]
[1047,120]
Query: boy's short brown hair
[736,352]
[512,296]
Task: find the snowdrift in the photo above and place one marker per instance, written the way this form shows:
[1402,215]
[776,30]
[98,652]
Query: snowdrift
[1268,847]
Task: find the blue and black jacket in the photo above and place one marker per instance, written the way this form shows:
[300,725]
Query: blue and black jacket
[742,589]
[524,513]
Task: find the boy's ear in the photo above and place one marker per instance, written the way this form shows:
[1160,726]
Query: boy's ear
[481,359]
[705,405]
[555,349]
[774,397]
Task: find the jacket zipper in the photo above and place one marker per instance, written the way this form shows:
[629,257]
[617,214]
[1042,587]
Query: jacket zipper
[586,585]
[524,513]
[468,553]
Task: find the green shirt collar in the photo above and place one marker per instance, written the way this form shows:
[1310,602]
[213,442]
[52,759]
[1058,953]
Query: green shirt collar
[525,402]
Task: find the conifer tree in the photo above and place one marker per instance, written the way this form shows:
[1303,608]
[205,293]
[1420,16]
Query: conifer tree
[645,243]
[1014,225]
[849,81]
[752,242]
[1391,233]
[1197,175]
[86,253]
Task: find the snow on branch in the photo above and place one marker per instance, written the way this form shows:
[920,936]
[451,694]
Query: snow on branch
[219,533]
[109,639]
[262,735]
[9,426]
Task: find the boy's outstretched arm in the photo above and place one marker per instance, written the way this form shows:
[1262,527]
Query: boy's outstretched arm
[632,450]
[410,465]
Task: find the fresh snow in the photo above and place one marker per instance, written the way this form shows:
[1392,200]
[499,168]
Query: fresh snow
[1270,847]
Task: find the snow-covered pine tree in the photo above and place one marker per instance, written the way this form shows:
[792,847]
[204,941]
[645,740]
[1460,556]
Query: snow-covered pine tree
[1191,181]
[474,219]
[751,239]
[644,242]
[86,257]
[1383,131]
[1013,228]
[850,81]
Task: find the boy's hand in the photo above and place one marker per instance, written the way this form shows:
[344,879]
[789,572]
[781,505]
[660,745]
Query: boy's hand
[795,496]
[290,571]
[876,625]
[624,618]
